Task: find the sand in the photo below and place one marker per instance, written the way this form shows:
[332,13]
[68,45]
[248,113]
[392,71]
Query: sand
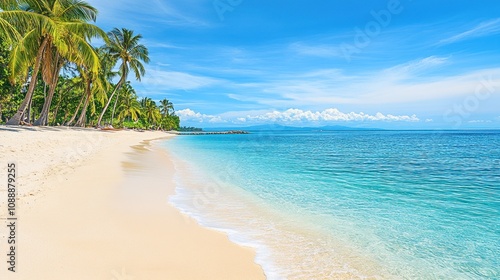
[94,205]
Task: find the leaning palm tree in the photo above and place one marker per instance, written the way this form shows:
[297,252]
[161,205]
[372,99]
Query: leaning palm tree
[63,35]
[124,46]
[95,84]
[166,107]
[95,87]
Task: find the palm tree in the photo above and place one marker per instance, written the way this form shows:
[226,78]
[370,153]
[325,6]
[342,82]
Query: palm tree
[95,84]
[8,31]
[63,35]
[166,107]
[129,106]
[14,20]
[124,45]
[150,111]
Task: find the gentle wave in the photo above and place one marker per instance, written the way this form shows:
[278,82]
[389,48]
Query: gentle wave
[378,205]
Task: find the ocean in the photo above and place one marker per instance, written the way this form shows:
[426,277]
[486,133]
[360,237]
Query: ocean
[349,204]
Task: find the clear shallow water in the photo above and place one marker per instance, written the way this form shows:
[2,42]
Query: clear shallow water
[370,204]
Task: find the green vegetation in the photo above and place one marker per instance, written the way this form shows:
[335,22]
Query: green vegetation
[190,129]
[50,74]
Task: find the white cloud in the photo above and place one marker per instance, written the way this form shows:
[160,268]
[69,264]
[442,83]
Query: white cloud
[316,50]
[332,114]
[416,66]
[485,28]
[402,84]
[480,121]
[294,116]
[192,116]
[173,80]
[172,13]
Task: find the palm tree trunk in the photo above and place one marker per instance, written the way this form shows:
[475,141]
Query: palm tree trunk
[44,115]
[76,111]
[83,114]
[30,109]
[61,98]
[114,108]
[122,80]
[16,119]
[57,108]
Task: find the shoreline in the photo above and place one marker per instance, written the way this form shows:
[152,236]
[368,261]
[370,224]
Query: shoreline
[89,208]
[250,221]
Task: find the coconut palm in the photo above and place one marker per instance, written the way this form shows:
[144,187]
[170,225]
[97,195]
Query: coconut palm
[14,20]
[129,106]
[95,84]
[150,111]
[166,107]
[124,46]
[63,35]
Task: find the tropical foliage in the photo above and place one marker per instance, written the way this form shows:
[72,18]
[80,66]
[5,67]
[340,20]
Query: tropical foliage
[51,74]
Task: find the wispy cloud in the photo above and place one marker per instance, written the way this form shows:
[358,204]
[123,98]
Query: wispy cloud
[316,50]
[292,116]
[479,121]
[402,84]
[416,66]
[158,79]
[485,28]
[161,45]
[159,12]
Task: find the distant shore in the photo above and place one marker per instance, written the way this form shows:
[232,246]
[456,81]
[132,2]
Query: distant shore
[94,205]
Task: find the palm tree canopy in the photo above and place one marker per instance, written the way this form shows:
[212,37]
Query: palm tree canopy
[124,45]
[166,107]
[62,25]
[129,106]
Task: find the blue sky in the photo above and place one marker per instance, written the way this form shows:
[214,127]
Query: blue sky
[387,64]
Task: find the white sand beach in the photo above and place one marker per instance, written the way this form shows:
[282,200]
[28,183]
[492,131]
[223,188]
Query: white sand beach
[94,205]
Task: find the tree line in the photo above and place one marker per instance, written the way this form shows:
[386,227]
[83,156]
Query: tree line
[51,74]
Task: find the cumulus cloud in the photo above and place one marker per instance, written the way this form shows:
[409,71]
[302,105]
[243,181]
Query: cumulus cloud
[190,115]
[332,114]
[296,116]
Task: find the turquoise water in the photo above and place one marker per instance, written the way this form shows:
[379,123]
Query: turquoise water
[367,204]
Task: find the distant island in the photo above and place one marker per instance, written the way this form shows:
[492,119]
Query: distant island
[213,132]
[278,127]
[190,129]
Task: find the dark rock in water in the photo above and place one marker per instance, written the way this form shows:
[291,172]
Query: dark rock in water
[236,132]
